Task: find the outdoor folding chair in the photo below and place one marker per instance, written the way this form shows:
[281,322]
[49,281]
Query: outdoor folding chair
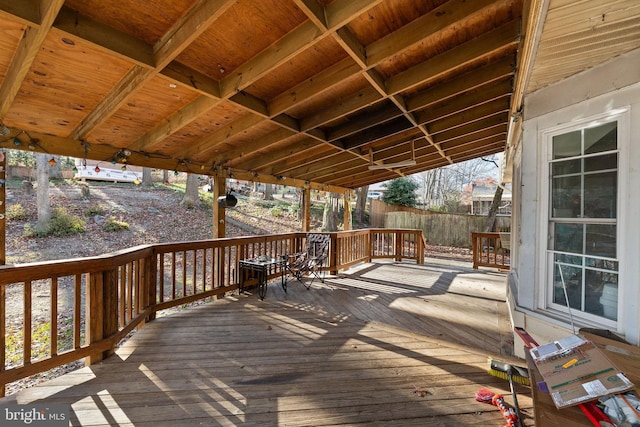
[311,261]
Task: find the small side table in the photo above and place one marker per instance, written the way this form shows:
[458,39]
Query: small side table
[264,267]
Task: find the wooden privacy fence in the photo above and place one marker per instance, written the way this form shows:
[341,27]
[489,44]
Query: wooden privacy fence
[438,228]
[91,304]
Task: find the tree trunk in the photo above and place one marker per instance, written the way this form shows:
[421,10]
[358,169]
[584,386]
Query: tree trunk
[191,198]
[361,205]
[493,210]
[146,177]
[165,177]
[268,192]
[42,193]
[330,214]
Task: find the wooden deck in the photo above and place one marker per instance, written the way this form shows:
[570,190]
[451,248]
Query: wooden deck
[356,350]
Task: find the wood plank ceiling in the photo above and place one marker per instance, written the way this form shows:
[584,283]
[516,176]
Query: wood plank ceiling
[301,92]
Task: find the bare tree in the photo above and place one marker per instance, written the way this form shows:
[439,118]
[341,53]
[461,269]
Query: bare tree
[268,192]
[443,187]
[361,204]
[493,210]
[330,214]
[42,193]
[191,198]
[146,177]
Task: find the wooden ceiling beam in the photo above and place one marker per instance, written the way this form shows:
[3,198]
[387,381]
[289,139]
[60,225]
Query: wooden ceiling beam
[490,144]
[291,182]
[288,165]
[373,134]
[191,79]
[364,121]
[491,122]
[176,121]
[425,26]
[238,154]
[108,40]
[209,143]
[321,166]
[281,51]
[476,113]
[500,128]
[367,177]
[186,29]
[502,39]
[273,156]
[347,105]
[314,11]
[253,104]
[454,147]
[129,84]
[28,48]
[314,86]
[469,101]
[341,12]
[474,80]
[26,12]
[336,167]
[178,38]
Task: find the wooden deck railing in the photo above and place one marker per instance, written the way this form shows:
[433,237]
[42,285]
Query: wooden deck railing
[491,250]
[93,303]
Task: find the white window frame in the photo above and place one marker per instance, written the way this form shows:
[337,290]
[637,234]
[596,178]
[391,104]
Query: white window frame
[545,283]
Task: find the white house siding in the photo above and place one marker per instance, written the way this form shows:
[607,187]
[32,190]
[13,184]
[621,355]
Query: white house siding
[607,88]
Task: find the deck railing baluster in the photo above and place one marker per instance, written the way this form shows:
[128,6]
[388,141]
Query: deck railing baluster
[126,289]
[53,317]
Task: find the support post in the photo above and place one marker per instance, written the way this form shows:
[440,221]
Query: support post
[306,210]
[102,311]
[347,212]
[150,281]
[219,189]
[334,254]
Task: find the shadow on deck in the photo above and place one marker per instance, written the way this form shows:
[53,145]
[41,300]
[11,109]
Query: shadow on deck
[388,344]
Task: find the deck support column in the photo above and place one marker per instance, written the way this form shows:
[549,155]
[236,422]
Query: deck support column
[306,210]
[219,189]
[101,311]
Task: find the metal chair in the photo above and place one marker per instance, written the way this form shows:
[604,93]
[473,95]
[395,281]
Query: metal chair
[311,260]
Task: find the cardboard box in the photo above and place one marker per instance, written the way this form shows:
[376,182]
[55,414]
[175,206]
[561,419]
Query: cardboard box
[575,370]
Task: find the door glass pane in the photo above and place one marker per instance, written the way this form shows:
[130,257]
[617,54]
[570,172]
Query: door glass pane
[600,190]
[601,138]
[567,145]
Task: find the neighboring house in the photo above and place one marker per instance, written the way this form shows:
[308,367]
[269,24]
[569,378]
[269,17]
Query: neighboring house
[482,198]
[576,185]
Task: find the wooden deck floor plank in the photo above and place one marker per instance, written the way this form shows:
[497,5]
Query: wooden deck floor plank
[264,412]
[351,351]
